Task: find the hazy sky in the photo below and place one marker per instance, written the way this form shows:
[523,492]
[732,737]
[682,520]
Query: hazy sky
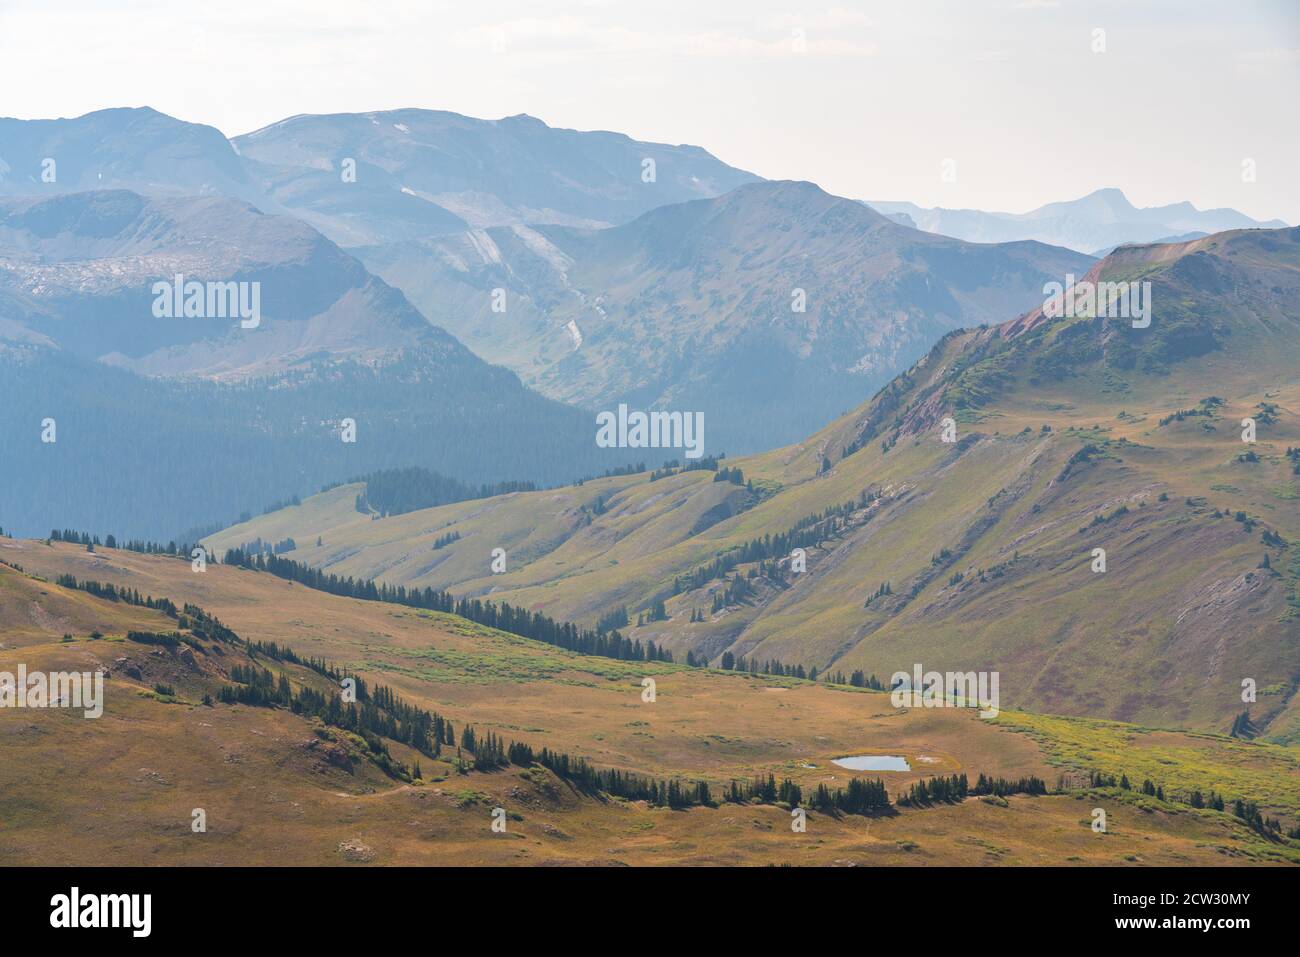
[868,104]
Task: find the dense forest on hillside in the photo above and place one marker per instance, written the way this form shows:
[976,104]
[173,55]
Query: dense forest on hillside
[397,491]
[506,617]
[153,458]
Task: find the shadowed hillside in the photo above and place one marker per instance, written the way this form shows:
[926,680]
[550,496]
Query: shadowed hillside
[166,423]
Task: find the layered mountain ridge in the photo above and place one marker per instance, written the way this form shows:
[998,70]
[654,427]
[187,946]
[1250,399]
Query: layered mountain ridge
[262,402]
[1094,224]
[1070,434]
[771,308]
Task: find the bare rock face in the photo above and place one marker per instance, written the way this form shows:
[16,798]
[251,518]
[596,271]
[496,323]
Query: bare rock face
[338,757]
[355,851]
[330,755]
[550,830]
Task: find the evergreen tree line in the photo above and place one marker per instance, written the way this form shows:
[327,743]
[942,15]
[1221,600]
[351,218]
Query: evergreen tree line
[398,491]
[282,653]
[808,532]
[707,463]
[503,616]
[1267,827]
[883,591]
[736,591]
[189,617]
[257,546]
[1242,809]
[111,541]
[658,612]
[165,639]
[729,662]
[380,713]
[613,619]
[1242,725]
[859,796]
[279,504]
[374,714]
[203,625]
[956,788]
[630,469]
[259,687]
[507,618]
[858,679]
[442,541]
[111,592]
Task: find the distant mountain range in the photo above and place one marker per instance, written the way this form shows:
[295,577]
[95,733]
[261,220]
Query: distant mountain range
[367,178]
[136,149]
[162,424]
[415,173]
[772,308]
[598,269]
[424,172]
[79,270]
[1093,224]
[95,210]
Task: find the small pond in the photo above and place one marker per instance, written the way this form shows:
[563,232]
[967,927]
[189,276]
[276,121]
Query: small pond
[873,762]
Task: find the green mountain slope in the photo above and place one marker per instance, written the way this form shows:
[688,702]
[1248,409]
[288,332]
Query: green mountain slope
[1072,434]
